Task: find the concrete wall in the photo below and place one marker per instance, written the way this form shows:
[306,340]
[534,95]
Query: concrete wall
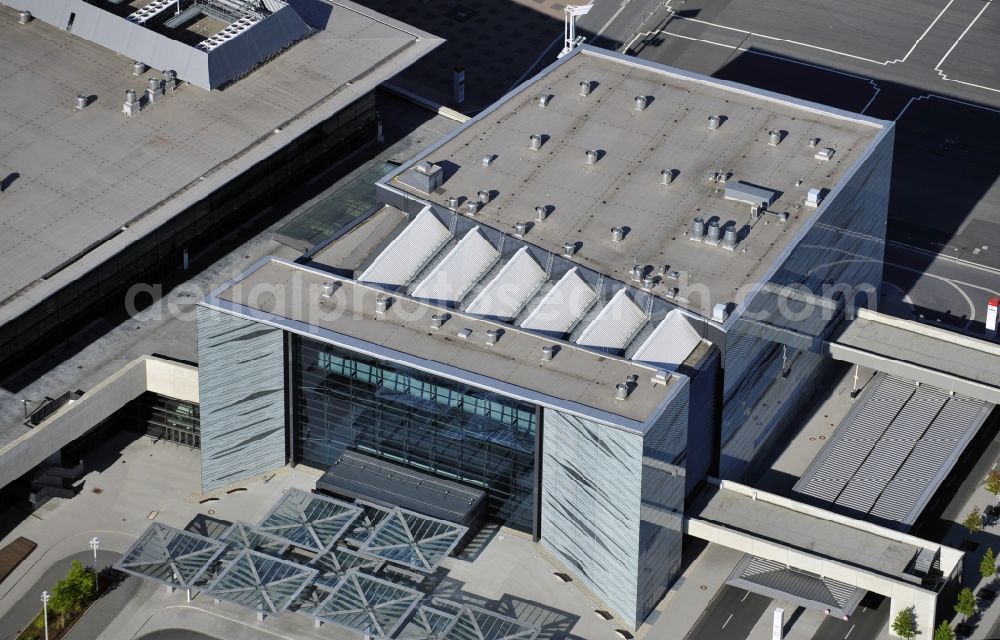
[164,377]
[241,382]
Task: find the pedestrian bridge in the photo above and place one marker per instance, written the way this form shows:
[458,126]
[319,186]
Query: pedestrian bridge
[906,569]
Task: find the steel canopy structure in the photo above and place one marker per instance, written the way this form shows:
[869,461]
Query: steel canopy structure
[369,605]
[261,582]
[173,557]
[413,540]
[308,520]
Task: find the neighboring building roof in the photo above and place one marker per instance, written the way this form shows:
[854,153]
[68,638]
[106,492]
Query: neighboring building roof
[206,42]
[576,379]
[90,182]
[893,450]
[625,187]
[779,581]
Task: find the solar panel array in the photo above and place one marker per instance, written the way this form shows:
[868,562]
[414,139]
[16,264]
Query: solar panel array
[893,450]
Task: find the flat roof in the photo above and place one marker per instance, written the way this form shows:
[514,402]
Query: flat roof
[624,186]
[576,379]
[825,538]
[84,184]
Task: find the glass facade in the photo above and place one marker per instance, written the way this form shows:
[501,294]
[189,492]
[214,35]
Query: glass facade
[344,400]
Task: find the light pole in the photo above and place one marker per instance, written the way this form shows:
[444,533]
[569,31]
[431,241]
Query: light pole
[45,612]
[95,543]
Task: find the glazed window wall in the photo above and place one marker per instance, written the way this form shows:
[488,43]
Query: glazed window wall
[345,400]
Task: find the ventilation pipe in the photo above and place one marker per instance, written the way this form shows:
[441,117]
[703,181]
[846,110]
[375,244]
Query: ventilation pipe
[453,202]
[637,272]
[640,103]
[569,248]
[520,229]
[535,141]
[541,212]
[773,137]
[617,233]
[697,229]
[666,176]
[621,391]
[591,156]
[729,238]
[491,336]
[23,16]
[81,102]
[381,304]
[138,68]
[585,87]
[547,352]
[472,207]
[488,159]
[714,122]
[543,100]
[438,319]
[484,197]
[714,233]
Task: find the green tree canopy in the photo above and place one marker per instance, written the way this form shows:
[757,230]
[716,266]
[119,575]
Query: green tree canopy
[974,521]
[944,631]
[992,483]
[966,604]
[988,565]
[905,624]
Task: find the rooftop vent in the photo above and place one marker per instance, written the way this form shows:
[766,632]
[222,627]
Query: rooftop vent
[773,137]
[714,235]
[492,335]
[425,177]
[488,159]
[548,351]
[541,212]
[569,248]
[520,229]
[697,229]
[720,312]
[591,156]
[382,304]
[472,207]
[648,283]
[671,293]
[170,80]
[637,272]
[543,100]
[813,142]
[154,90]
[659,377]
[641,102]
[138,68]
[535,142]
[132,104]
[621,391]
[81,102]
[617,234]
[453,202]
[484,197]
[329,288]
[666,176]
[824,154]
[464,333]
[585,87]
[714,122]
[23,16]
[730,238]
[438,319]
[814,197]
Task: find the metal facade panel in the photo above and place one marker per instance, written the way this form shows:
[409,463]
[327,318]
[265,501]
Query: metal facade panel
[241,385]
[464,265]
[506,294]
[670,344]
[616,324]
[563,306]
[591,493]
[408,252]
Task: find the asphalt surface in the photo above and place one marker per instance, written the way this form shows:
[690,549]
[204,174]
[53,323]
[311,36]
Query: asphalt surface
[24,610]
[730,616]
[865,624]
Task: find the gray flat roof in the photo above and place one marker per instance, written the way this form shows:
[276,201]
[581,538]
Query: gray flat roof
[623,188]
[821,537]
[929,347]
[92,181]
[576,379]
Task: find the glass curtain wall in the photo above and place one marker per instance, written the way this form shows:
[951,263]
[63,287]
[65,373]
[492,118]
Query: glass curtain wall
[345,400]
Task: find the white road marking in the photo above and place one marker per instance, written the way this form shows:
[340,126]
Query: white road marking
[819,48]
[849,630]
[941,73]
[727,621]
[745,596]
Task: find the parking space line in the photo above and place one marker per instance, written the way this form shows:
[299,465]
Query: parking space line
[954,44]
[817,47]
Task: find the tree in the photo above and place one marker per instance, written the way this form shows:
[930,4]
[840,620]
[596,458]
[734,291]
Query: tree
[974,521]
[988,565]
[992,484]
[944,632]
[72,593]
[905,624]
[966,604]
